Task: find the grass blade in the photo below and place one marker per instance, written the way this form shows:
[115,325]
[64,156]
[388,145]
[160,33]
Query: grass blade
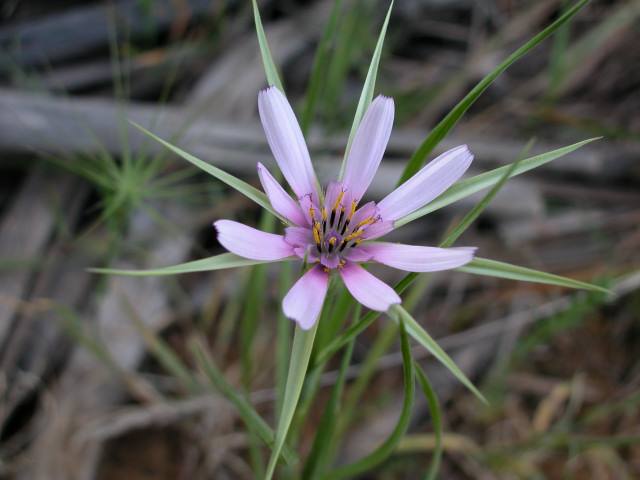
[217,262]
[269,66]
[389,445]
[249,415]
[421,336]
[319,69]
[477,210]
[448,122]
[367,90]
[434,408]
[484,180]
[300,354]
[243,187]
[326,432]
[493,268]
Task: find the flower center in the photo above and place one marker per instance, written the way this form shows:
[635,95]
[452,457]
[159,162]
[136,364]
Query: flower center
[335,230]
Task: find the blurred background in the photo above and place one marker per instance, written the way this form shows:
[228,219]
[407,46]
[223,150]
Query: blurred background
[87,388]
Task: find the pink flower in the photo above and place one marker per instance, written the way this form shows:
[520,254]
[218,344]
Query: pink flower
[336,232]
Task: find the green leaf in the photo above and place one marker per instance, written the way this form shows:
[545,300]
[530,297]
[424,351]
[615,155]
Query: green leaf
[434,408]
[319,69]
[477,210]
[493,268]
[300,354]
[267,59]
[218,262]
[484,180]
[251,418]
[243,187]
[389,445]
[325,435]
[367,90]
[421,336]
[448,122]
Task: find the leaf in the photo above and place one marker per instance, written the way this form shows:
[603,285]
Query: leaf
[448,122]
[389,445]
[478,209]
[251,418]
[421,336]
[367,90]
[484,180]
[218,262]
[434,409]
[493,268]
[243,187]
[269,66]
[300,354]
[326,431]
[319,69]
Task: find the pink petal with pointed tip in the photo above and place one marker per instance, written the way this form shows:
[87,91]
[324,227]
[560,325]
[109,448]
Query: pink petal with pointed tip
[367,289]
[279,198]
[368,146]
[414,258]
[286,141]
[427,184]
[303,302]
[251,243]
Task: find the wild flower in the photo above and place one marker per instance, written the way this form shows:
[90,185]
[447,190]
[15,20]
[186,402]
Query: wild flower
[331,229]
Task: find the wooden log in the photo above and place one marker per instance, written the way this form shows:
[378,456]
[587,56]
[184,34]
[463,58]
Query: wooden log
[83,30]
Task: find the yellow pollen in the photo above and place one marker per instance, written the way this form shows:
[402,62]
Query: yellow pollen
[316,235]
[353,210]
[332,240]
[312,213]
[363,222]
[326,270]
[338,201]
[324,213]
[353,235]
[357,241]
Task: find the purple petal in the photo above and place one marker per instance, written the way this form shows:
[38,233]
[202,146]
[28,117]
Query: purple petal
[367,289]
[427,184]
[414,258]
[280,200]
[251,243]
[378,229]
[300,239]
[357,254]
[303,302]
[286,141]
[368,146]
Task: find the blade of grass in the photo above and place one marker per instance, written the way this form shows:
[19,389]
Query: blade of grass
[493,268]
[434,409]
[421,336]
[471,185]
[477,210]
[251,418]
[367,90]
[300,354]
[217,262]
[319,69]
[449,121]
[269,66]
[319,455]
[389,445]
[243,187]
[369,367]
